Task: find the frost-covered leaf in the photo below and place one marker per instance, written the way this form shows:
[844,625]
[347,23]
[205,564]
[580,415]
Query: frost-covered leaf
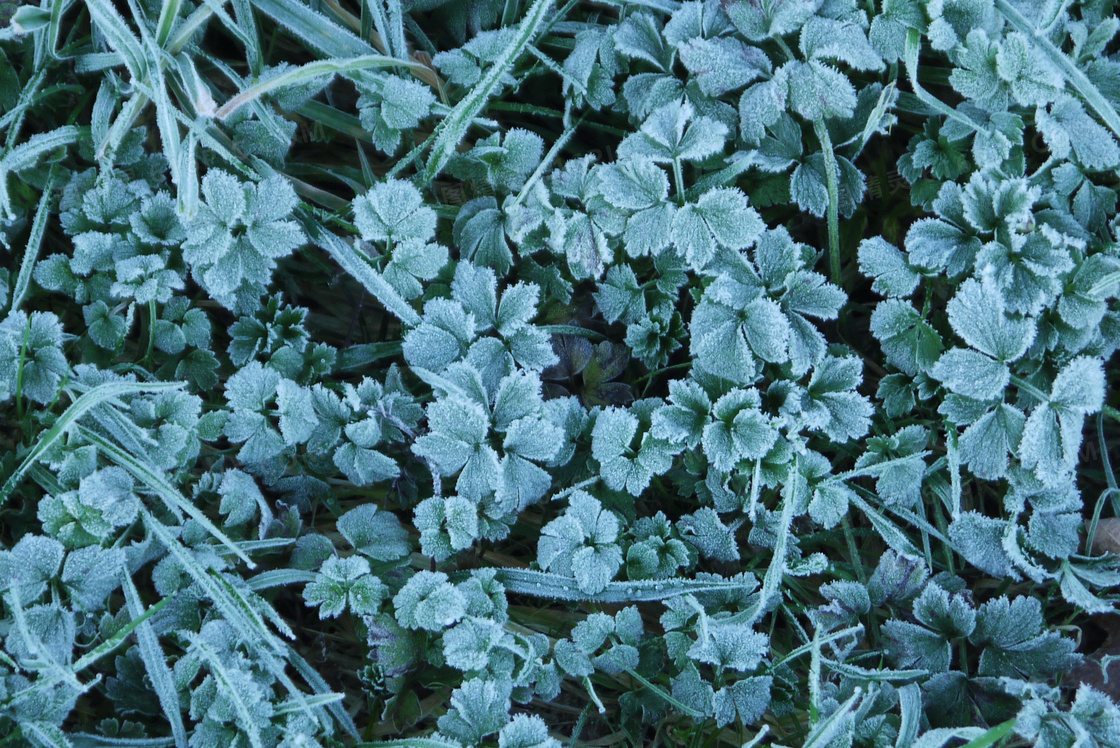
[908,341]
[986,444]
[675,132]
[720,218]
[980,540]
[345,583]
[1067,127]
[839,40]
[1052,434]
[238,234]
[1015,642]
[971,374]
[582,543]
[745,700]
[888,266]
[503,160]
[374,533]
[479,707]
[526,731]
[704,529]
[623,464]
[829,504]
[934,244]
[394,211]
[819,92]
[30,564]
[722,64]
[31,352]
[684,418]
[760,19]
[241,499]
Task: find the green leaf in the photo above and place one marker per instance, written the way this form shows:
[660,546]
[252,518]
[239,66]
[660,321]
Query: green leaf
[818,92]
[722,64]
[675,132]
[908,341]
[1015,642]
[373,533]
[889,267]
[972,374]
[769,18]
[428,601]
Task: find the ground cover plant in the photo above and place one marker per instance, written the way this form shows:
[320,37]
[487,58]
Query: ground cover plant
[525,373]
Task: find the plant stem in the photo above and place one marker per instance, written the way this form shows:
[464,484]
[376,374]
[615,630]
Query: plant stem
[19,371]
[1030,389]
[830,170]
[151,331]
[678,180]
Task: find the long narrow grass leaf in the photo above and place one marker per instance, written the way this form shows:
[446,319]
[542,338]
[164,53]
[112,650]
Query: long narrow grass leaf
[559,587]
[241,616]
[99,394]
[454,127]
[305,73]
[120,37]
[31,248]
[155,662]
[363,272]
[154,480]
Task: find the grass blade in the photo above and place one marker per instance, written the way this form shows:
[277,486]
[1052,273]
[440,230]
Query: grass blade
[34,241]
[559,587]
[352,263]
[120,37]
[305,73]
[328,38]
[154,480]
[453,127]
[239,614]
[155,662]
[168,13]
[280,578]
[118,638]
[26,154]
[99,394]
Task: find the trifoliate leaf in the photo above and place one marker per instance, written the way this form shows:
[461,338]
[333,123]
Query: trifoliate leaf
[344,583]
[429,601]
[373,533]
[675,132]
[394,211]
[582,543]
